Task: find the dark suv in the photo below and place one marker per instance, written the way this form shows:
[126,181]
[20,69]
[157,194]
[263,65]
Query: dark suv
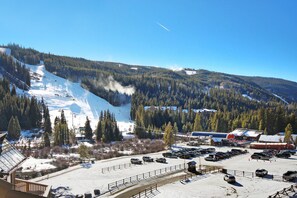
[261,172]
[290,175]
[161,160]
[284,154]
[135,161]
[147,159]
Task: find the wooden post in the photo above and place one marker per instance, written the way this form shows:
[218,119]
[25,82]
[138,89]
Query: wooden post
[27,187]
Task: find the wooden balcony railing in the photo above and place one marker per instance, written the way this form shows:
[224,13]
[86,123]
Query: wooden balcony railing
[32,188]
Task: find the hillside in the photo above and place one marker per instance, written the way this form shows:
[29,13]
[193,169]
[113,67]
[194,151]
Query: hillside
[284,88]
[134,86]
[77,103]
[79,69]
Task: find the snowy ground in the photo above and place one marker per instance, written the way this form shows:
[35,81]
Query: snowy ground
[33,164]
[87,179]
[214,186]
[61,94]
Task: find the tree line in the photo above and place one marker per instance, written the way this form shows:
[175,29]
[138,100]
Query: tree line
[270,120]
[15,71]
[18,112]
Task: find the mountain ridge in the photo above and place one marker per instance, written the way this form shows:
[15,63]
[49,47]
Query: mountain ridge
[81,70]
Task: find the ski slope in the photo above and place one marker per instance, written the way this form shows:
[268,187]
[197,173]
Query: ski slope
[78,103]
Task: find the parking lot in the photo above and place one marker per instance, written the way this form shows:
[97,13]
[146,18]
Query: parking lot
[83,179]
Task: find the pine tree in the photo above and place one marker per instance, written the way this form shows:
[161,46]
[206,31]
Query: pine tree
[88,129]
[197,123]
[168,135]
[13,91]
[14,128]
[288,133]
[99,131]
[48,125]
[175,131]
[46,140]
[35,115]
[63,119]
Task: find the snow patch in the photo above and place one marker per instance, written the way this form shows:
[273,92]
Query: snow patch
[281,98]
[190,72]
[32,164]
[6,51]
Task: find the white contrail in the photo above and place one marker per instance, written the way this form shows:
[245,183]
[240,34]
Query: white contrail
[162,26]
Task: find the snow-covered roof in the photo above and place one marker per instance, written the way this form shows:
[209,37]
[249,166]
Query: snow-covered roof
[10,157]
[271,138]
[246,132]
[275,138]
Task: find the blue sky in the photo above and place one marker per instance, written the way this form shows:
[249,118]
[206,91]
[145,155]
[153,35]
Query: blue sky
[248,37]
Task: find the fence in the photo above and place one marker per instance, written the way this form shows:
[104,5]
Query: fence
[201,172]
[239,173]
[146,192]
[116,167]
[137,178]
[288,192]
[252,175]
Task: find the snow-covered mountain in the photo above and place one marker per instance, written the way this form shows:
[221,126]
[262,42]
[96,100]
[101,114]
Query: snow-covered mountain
[78,103]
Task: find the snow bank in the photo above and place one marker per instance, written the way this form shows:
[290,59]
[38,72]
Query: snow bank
[33,164]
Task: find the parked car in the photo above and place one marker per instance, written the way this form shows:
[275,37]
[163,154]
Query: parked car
[292,152]
[255,156]
[229,178]
[239,151]
[290,175]
[135,161]
[193,144]
[211,150]
[147,159]
[184,156]
[261,156]
[283,155]
[161,160]
[212,158]
[261,172]
[169,155]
